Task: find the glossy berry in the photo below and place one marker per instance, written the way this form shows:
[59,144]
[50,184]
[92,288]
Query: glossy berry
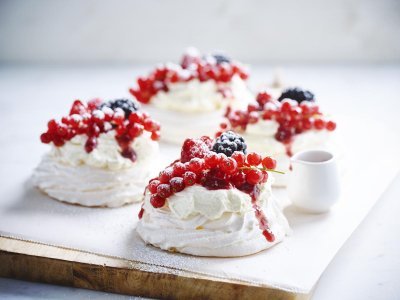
[253,159]
[254,176]
[229,142]
[238,179]
[228,165]
[165,175]
[179,169]
[157,201]
[177,184]
[263,98]
[297,94]
[196,164]
[189,178]
[164,190]
[240,158]
[319,124]
[212,159]
[269,163]
[330,125]
[153,186]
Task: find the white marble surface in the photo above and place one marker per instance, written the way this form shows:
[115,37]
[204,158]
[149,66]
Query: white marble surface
[153,31]
[366,266]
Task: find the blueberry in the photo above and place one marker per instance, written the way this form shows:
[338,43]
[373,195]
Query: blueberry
[128,106]
[229,142]
[221,58]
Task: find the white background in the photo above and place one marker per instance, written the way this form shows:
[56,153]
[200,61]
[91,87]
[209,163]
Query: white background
[255,31]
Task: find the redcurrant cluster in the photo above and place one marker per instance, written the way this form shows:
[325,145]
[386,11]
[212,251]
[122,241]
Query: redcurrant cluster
[293,118]
[192,66]
[200,165]
[96,117]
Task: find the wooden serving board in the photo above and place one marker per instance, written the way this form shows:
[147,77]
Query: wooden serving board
[32,261]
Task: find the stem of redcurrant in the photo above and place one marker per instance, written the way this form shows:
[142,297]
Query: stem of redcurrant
[261,169]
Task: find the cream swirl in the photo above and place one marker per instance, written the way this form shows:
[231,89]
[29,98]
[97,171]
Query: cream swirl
[205,222]
[195,96]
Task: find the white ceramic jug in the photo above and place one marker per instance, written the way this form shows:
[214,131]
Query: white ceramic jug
[314,180]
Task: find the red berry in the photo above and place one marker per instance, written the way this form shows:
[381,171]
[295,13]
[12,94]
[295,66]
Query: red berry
[239,157]
[211,159]
[254,159]
[157,201]
[286,107]
[94,103]
[263,98]
[251,107]
[319,124]
[155,135]
[177,184]
[228,165]
[153,186]
[77,108]
[196,164]
[62,130]
[164,190]
[136,130]
[52,125]
[254,176]
[269,163]
[165,175]
[45,138]
[151,125]
[330,125]
[136,117]
[238,179]
[179,169]
[253,117]
[189,178]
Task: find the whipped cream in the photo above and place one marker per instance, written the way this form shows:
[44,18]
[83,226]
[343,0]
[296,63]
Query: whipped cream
[205,222]
[260,138]
[195,108]
[195,96]
[99,178]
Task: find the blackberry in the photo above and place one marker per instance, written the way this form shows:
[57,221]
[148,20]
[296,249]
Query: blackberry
[297,94]
[229,142]
[221,58]
[128,106]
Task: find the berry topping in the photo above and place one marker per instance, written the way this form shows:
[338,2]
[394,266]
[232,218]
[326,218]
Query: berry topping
[193,66]
[293,118]
[297,94]
[229,142]
[128,106]
[201,165]
[95,117]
